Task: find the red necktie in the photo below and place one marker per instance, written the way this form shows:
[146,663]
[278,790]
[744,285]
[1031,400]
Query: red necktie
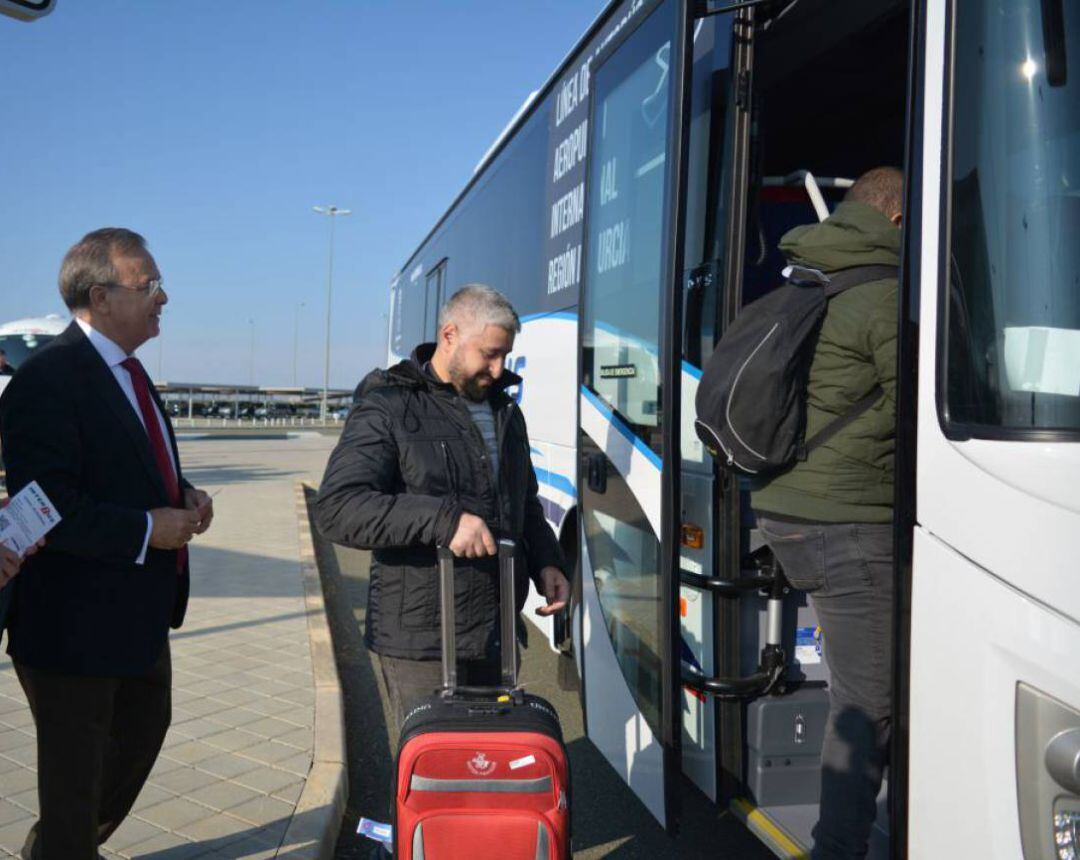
[157,442]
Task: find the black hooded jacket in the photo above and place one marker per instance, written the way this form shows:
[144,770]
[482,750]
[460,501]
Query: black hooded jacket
[410,461]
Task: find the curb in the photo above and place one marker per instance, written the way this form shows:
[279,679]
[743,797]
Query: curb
[313,830]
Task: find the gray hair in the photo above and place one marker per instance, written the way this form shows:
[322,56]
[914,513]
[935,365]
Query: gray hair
[89,262]
[478,305]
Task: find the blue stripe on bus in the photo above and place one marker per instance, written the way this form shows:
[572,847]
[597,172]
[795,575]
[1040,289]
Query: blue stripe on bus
[623,430]
[555,315]
[690,369]
[554,479]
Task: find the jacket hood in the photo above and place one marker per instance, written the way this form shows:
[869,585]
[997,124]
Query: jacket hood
[410,374]
[854,235]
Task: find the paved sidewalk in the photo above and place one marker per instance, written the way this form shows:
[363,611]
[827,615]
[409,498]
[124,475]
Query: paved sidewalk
[240,749]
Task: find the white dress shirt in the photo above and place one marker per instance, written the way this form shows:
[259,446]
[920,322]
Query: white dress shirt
[113,355]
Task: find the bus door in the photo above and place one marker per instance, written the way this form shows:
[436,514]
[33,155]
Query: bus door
[629,403]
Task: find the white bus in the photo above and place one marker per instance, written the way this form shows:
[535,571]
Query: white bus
[630,211]
[19,338]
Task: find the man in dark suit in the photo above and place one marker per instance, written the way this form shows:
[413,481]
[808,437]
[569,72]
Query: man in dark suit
[89,621]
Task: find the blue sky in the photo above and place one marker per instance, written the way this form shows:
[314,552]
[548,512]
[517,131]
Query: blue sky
[214,127]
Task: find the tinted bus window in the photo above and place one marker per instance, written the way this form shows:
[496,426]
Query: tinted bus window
[1013,311]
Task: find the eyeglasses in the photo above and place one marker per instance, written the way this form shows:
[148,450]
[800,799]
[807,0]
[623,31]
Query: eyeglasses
[150,289]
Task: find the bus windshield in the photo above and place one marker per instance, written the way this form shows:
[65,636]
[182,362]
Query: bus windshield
[1013,356]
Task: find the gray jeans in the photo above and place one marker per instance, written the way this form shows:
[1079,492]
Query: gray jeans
[847,569]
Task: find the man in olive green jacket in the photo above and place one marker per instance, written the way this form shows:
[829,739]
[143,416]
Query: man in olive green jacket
[828,519]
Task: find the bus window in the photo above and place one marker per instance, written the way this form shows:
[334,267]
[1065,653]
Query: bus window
[1013,357]
[434,296]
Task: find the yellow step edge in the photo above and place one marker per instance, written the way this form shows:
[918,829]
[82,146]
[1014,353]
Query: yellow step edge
[781,843]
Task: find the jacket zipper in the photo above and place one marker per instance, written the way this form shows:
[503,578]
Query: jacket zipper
[451,473]
[501,422]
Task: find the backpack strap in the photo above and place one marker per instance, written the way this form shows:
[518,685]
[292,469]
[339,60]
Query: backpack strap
[839,281]
[837,424]
[845,279]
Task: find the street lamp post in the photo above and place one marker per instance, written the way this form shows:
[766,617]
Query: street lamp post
[330,211]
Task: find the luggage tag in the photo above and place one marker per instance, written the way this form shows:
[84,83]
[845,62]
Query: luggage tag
[376,830]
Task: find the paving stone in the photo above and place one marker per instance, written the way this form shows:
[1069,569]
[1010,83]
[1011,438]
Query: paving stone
[13,835]
[270,727]
[28,799]
[241,717]
[228,766]
[300,737]
[20,719]
[204,706]
[269,752]
[266,779]
[223,795]
[245,850]
[132,831]
[174,813]
[13,739]
[26,756]
[233,740]
[9,703]
[299,764]
[9,812]
[199,728]
[166,845]
[236,696]
[151,795]
[220,830]
[7,765]
[18,781]
[183,780]
[264,810]
[191,752]
[165,765]
[290,793]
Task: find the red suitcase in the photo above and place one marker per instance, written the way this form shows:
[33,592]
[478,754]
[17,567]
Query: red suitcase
[482,774]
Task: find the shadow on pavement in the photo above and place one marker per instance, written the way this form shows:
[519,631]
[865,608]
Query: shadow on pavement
[214,476]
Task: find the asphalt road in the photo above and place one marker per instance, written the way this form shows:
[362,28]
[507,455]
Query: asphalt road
[608,820]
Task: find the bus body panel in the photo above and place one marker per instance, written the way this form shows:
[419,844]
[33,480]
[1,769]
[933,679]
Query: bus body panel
[974,638]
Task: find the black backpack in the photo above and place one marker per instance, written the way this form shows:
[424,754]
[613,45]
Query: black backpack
[751,402]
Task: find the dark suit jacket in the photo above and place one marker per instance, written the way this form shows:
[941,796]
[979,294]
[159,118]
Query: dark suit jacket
[82,605]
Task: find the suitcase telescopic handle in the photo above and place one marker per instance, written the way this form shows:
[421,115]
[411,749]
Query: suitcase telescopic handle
[449,623]
[508,612]
[507,616]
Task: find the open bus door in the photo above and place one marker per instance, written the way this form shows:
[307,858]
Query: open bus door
[657,660]
[629,409]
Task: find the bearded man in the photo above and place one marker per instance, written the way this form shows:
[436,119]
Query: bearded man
[435,453]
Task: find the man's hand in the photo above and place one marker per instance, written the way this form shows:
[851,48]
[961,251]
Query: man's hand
[9,564]
[555,588]
[172,527]
[472,539]
[201,503]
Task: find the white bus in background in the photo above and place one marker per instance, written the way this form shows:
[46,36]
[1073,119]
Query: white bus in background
[629,212]
[18,339]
